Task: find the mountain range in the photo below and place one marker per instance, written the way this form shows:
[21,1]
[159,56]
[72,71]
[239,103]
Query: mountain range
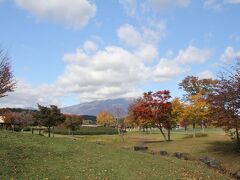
[93,108]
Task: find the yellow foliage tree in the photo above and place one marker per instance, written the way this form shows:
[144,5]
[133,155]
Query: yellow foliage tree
[197,111]
[104,118]
[129,122]
[177,110]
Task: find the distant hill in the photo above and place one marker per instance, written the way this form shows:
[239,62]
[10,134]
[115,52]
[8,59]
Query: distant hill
[94,107]
[27,110]
[87,117]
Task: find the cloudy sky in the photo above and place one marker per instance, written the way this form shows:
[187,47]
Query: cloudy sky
[66,52]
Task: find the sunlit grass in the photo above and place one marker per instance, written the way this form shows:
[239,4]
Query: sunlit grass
[26,156]
[216,144]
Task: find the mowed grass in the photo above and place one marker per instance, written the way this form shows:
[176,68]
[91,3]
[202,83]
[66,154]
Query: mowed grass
[216,145]
[26,156]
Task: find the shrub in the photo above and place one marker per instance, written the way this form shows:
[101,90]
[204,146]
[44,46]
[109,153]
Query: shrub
[26,129]
[88,131]
[197,135]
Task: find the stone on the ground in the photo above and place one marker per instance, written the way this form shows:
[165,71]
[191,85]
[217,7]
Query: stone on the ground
[163,153]
[211,162]
[237,175]
[153,152]
[140,148]
[181,155]
[100,143]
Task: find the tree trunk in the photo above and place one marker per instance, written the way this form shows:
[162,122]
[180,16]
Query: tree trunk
[53,131]
[194,132]
[202,124]
[164,136]
[185,127]
[169,131]
[237,136]
[119,132]
[49,131]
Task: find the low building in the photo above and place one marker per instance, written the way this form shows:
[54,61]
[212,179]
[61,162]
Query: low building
[3,124]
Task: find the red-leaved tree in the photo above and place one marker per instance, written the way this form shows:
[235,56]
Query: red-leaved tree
[155,107]
[225,101]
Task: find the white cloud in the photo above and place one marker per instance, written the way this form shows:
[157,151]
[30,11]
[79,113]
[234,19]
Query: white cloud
[90,46]
[26,95]
[193,55]
[213,4]
[219,4]
[232,1]
[112,72]
[117,72]
[152,34]
[129,35]
[205,74]
[162,4]
[155,32]
[166,69]
[93,73]
[130,6]
[147,52]
[72,13]
[235,37]
[230,55]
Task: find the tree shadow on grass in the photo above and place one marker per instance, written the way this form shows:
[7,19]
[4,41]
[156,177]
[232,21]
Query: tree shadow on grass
[224,147]
[152,142]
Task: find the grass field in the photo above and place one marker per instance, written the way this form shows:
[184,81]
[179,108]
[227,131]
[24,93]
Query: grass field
[216,145]
[26,156]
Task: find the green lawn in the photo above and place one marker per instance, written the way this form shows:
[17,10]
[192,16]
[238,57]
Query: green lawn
[26,156]
[216,145]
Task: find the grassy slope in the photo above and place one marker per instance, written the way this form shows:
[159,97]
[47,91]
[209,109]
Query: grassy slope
[24,156]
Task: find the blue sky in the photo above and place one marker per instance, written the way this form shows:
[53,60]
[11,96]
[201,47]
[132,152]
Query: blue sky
[70,51]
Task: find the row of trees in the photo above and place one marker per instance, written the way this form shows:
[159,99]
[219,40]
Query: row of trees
[18,118]
[48,117]
[205,102]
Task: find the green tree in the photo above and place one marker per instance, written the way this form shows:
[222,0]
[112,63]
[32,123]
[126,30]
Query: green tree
[49,117]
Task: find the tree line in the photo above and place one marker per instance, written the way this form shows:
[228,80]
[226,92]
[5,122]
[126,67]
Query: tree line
[205,102]
[48,117]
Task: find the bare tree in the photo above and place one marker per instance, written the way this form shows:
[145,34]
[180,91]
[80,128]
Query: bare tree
[7,81]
